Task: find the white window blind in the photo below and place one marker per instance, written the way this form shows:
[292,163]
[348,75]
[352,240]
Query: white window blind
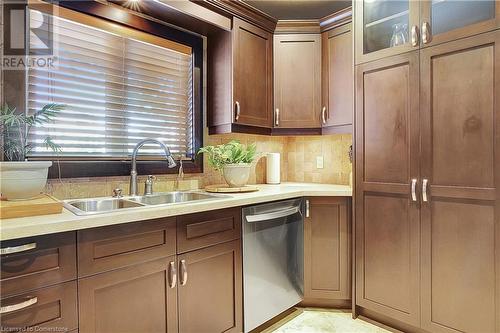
[117,90]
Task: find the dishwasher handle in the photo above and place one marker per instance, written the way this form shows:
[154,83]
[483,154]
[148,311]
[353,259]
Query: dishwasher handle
[272,215]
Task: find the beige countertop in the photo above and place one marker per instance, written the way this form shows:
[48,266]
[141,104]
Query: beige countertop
[67,221]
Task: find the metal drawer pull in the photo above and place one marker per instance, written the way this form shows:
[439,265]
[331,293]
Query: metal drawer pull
[184,273]
[18,306]
[414,35]
[173,275]
[413,189]
[17,249]
[426,32]
[237,116]
[277,117]
[272,215]
[424,190]
[323,114]
[308,212]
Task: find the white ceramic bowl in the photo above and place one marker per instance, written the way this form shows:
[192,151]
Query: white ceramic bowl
[23,180]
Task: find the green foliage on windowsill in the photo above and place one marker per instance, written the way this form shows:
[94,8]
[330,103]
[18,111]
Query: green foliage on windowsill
[15,130]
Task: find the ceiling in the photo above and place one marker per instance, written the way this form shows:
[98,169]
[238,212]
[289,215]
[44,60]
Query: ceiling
[299,9]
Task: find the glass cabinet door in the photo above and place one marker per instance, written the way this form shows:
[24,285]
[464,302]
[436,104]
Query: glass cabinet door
[443,20]
[385,27]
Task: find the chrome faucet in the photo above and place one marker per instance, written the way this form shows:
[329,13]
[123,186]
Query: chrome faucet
[133,171]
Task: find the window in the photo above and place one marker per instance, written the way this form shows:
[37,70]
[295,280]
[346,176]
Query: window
[120,86]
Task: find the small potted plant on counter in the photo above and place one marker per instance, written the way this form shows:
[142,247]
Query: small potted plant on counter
[22,179]
[233,159]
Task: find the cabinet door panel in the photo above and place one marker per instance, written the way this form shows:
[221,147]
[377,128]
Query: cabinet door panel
[451,20]
[297,80]
[133,299]
[383,28]
[116,246]
[253,50]
[338,79]
[461,160]
[326,249]
[211,298]
[387,144]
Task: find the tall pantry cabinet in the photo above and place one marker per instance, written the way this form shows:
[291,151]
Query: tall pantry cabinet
[428,165]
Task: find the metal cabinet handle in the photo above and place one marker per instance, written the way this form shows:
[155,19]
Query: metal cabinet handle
[172,272]
[308,210]
[323,114]
[414,35]
[424,190]
[238,110]
[426,32]
[277,117]
[272,215]
[17,249]
[414,189]
[184,273]
[18,306]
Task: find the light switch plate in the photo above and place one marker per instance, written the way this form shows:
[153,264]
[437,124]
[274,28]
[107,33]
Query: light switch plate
[319,162]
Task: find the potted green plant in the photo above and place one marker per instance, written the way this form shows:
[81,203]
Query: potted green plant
[22,179]
[233,159]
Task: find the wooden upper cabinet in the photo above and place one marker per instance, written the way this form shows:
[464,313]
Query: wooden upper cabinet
[385,28]
[443,20]
[297,81]
[337,80]
[252,74]
[326,249]
[210,289]
[387,215]
[240,87]
[460,129]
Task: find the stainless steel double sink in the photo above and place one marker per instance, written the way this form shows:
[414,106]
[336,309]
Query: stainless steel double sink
[106,205]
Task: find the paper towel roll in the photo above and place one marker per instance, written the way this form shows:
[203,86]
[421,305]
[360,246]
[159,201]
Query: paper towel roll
[273,168]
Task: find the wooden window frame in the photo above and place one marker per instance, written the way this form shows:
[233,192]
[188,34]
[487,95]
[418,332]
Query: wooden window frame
[135,25]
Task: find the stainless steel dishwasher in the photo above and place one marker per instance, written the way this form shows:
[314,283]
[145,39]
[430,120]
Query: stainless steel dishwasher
[273,252]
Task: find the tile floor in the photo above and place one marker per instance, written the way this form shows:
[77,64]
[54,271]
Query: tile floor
[323,321]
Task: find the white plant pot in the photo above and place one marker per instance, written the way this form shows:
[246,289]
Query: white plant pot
[23,180]
[236,175]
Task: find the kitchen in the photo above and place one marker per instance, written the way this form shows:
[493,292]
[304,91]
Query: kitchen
[250,166]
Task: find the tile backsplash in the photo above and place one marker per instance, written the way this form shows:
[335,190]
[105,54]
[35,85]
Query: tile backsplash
[298,164]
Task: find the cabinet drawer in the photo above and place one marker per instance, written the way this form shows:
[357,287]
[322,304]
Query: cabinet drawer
[36,262]
[43,310]
[107,248]
[195,231]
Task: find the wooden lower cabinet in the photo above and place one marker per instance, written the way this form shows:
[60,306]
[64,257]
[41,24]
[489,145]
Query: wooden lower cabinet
[138,298]
[327,249]
[210,289]
[50,309]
